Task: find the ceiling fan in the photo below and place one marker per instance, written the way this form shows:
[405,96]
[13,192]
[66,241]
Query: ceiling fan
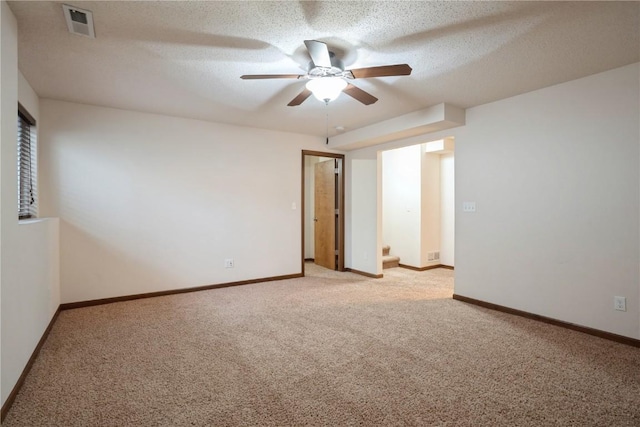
[328,78]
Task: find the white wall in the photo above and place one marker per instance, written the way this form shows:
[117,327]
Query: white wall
[150,203]
[411,204]
[363,221]
[430,217]
[555,174]
[447,209]
[29,260]
[401,203]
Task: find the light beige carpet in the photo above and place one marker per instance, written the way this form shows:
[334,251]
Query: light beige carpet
[328,349]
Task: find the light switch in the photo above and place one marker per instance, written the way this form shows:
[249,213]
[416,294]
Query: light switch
[293,206]
[468,206]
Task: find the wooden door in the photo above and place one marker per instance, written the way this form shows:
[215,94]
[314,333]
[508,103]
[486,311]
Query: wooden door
[325,214]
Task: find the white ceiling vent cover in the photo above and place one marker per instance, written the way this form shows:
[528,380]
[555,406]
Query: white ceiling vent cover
[79,21]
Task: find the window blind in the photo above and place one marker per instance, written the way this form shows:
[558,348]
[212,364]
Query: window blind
[27,178]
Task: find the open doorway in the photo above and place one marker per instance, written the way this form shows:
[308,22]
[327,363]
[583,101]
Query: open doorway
[323,209]
[418,206]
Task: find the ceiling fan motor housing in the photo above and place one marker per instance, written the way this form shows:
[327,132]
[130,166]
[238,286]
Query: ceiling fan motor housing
[336,69]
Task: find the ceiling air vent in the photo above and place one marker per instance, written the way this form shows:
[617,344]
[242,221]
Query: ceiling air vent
[79,21]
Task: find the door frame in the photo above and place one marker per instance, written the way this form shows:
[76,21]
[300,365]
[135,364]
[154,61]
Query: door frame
[340,192]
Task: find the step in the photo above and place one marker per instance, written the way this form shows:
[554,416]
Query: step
[385,250]
[389,261]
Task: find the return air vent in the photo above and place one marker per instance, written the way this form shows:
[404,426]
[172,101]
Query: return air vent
[433,256]
[79,21]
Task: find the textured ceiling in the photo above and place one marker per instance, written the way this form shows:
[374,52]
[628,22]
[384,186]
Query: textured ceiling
[185,58]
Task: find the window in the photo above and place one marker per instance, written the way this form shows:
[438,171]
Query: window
[27,172]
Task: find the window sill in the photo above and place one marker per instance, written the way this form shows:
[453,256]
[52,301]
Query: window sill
[35,220]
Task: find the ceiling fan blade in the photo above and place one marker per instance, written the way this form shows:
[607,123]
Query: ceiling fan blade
[358,94]
[319,53]
[302,96]
[270,76]
[382,71]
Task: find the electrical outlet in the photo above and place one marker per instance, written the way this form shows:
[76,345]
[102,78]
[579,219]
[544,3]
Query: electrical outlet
[620,303]
[228,263]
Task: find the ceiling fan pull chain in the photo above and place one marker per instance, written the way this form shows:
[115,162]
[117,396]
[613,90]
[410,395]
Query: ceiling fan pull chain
[327,120]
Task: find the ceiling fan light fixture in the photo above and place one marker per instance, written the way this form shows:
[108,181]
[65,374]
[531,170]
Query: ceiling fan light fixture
[326,89]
